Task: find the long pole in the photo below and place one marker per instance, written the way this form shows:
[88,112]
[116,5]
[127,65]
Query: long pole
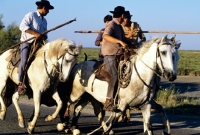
[61,25]
[150,31]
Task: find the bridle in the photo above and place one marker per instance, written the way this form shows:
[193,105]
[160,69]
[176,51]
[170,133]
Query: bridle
[157,55]
[58,69]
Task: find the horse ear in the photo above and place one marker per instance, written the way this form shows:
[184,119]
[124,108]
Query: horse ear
[177,44]
[80,46]
[164,38]
[173,39]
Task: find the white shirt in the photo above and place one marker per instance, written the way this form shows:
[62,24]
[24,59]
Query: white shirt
[33,21]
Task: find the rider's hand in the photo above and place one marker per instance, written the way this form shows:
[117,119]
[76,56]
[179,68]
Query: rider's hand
[40,36]
[132,33]
[37,35]
[124,45]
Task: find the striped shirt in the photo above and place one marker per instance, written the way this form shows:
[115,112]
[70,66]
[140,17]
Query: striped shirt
[33,21]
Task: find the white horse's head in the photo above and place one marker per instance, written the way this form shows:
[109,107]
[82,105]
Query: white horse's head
[63,56]
[167,57]
[175,56]
[68,58]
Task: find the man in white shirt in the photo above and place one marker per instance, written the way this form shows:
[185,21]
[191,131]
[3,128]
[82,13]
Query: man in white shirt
[32,25]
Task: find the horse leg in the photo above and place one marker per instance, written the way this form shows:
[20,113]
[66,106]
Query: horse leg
[15,99]
[74,97]
[37,99]
[56,97]
[62,126]
[77,112]
[125,118]
[3,106]
[166,124]
[100,113]
[146,113]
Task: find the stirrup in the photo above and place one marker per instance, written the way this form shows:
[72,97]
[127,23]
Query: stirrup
[21,90]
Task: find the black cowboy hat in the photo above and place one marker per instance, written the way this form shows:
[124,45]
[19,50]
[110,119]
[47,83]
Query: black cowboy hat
[118,9]
[44,3]
[127,14]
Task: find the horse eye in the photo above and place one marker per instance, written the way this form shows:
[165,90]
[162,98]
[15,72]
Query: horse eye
[163,52]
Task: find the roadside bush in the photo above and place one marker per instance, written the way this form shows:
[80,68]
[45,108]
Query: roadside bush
[173,103]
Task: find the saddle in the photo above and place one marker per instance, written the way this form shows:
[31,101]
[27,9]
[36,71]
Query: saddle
[14,58]
[102,73]
[123,68]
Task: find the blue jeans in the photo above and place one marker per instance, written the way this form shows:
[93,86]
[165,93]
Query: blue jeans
[24,54]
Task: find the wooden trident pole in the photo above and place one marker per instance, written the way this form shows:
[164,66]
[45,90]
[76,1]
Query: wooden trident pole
[150,31]
[61,25]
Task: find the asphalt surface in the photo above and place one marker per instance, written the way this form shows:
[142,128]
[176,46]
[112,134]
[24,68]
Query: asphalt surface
[180,124]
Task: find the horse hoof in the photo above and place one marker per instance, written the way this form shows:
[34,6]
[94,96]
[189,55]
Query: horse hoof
[148,133]
[21,125]
[111,132]
[2,117]
[76,132]
[49,118]
[60,127]
[29,131]
[67,131]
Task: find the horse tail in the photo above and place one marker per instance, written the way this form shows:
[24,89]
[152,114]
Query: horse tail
[85,57]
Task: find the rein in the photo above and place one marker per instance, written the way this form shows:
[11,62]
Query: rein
[158,52]
[52,79]
[59,70]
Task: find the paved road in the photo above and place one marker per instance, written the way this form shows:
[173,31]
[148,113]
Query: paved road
[180,124]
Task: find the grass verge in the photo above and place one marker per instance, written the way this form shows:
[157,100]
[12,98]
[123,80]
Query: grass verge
[173,103]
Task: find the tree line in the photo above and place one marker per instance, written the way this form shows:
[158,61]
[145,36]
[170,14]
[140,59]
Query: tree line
[9,35]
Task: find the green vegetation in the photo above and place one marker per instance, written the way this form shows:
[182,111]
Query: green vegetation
[189,63]
[9,35]
[174,103]
[92,53]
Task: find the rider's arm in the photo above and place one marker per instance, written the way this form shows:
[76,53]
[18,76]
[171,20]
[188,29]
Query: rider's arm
[114,40]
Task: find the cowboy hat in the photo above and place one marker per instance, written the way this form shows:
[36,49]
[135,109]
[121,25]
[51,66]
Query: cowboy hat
[118,9]
[44,3]
[127,14]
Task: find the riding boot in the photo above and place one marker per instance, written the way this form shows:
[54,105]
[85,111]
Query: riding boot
[21,90]
[109,104]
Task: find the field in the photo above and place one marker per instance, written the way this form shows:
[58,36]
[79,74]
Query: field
[189,63]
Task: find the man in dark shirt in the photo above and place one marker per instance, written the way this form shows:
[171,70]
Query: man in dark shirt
[98,41]
[113,41]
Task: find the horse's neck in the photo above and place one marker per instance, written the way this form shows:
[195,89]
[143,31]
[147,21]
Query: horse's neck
[147,64]
[149,58]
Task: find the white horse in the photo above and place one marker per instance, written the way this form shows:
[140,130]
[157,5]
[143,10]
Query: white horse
[52,64]
[141,89]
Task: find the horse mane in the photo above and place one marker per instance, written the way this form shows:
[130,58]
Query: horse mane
[146,45]
[57,48]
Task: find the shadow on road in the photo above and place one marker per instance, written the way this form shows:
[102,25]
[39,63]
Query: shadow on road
[182,87]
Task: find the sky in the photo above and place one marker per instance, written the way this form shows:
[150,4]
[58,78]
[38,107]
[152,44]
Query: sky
[159,15]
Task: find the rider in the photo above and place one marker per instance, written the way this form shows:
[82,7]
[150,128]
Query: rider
[98,41]
[132,30]
[32,25]
[113,39]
